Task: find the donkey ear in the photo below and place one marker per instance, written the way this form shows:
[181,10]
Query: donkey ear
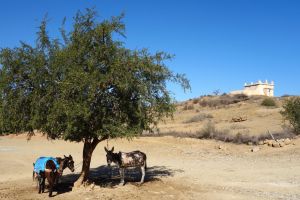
[65,156]
[112,149]
[105,149]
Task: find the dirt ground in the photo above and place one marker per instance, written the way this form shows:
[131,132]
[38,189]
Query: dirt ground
[178,168]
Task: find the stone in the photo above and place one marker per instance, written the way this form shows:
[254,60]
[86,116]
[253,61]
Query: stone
[281,140]
[255,149]
[275,144]
[287,141]
[281,144]
[221,147]
[261,143]
[270,143]
[266,141]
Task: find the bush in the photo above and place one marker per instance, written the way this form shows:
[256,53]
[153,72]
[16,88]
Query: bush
[188,107]
[209,131]
[269,102]
[223,100]
[241,97]
[291,113]
[198,118]
[195,101]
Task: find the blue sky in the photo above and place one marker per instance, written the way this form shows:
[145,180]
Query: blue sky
[217,44]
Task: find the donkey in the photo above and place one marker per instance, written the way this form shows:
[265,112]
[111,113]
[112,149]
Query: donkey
[51,168]
[126,160]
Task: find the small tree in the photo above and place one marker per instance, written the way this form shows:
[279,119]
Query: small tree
[217,92]
[291,112]
[88,87]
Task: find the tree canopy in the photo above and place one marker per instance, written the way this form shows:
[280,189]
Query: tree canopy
[84,86]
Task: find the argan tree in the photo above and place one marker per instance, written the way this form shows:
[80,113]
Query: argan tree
[85,87]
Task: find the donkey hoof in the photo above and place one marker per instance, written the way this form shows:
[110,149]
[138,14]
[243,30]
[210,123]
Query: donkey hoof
[122,183]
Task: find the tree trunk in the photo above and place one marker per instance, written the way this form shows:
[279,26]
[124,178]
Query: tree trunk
[88,148]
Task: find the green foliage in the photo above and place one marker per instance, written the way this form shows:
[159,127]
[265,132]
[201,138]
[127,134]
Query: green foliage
[269,102]
[87,86]
[291,112]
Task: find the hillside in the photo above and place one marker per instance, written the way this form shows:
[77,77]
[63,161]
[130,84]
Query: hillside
[193,116]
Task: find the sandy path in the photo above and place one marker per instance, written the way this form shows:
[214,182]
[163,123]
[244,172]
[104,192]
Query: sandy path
[178,169]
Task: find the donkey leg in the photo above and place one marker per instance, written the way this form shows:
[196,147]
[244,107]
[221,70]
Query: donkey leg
[50,188]
[143,174]
[43,184]
[51,180]
[40,182]
[122,176]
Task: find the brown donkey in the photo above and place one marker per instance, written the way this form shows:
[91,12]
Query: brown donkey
[51,169]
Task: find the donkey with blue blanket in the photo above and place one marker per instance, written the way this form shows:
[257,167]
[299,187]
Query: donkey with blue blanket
[50,168]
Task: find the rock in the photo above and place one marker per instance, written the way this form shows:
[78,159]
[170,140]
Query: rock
[221,147]
[92,186]
[255,149]
[239,119]
[270,143]
[287,141]
[281,140]
[281,144]
[266,141]
[275,144]
[261,143]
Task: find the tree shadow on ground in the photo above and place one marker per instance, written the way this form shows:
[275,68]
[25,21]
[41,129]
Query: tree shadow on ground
[104,176]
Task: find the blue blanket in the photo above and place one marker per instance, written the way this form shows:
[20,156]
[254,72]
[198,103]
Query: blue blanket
[40,163]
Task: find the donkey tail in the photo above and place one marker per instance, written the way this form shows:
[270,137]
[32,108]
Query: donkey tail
[33,173]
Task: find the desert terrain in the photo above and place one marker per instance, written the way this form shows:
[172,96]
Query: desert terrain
[178,167]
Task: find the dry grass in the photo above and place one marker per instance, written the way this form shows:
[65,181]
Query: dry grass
[188,107]
[199,118]
[211,132]
[190,119]
[221,101]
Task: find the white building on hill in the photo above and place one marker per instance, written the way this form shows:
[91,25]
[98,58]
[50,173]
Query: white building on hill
[259,88]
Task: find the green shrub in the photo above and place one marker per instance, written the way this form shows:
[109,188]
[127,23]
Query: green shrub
[291,112]
[269,102]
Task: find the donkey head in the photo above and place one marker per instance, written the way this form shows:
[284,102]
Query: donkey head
[109,156]
[69,162]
